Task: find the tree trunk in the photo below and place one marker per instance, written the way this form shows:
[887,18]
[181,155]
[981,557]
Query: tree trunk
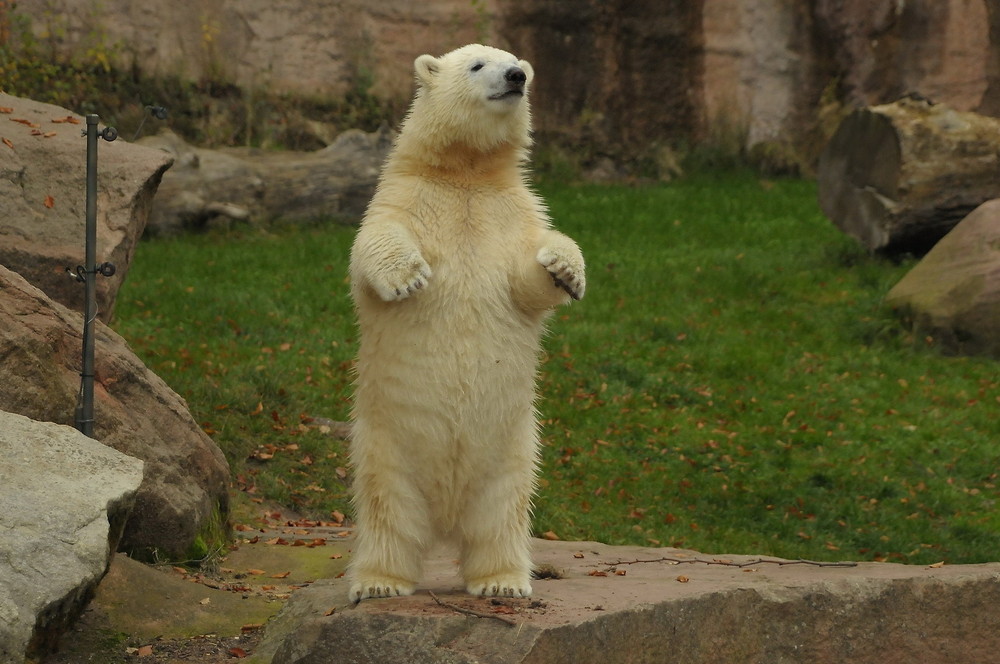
[899,176]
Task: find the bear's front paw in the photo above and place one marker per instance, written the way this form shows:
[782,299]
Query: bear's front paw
[402,281]
[378,587]
[509,585]
[566,269]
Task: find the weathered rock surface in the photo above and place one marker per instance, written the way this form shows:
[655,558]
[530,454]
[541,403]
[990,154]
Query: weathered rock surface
[254,186]
[631,604]
[614,78]
[953,294]
[898,177]
[43,200]
[186,475]
[64,499]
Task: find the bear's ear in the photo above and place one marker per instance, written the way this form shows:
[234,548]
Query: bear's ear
[529,71]
[426,67]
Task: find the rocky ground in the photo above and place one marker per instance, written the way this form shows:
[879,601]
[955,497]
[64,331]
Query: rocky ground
[592,603]
[166,614]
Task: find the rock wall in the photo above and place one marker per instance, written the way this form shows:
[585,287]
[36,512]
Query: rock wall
[616,77]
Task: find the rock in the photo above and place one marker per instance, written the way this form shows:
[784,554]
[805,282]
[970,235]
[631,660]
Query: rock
[612,76]
[898,177]
[43,200]
[632,604]
[257,186]
[186,476]
[64,500]
[953,294]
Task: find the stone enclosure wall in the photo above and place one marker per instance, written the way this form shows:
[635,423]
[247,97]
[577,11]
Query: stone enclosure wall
[617,78]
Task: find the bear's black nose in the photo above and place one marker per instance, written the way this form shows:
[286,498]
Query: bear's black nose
[515,75]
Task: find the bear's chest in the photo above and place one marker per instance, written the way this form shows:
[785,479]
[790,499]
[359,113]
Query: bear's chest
[460,228]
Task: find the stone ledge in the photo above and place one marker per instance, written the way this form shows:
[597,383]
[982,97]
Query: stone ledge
[659,611]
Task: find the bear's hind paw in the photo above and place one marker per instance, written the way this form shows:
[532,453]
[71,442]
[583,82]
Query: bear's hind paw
[500,586]
[376,588]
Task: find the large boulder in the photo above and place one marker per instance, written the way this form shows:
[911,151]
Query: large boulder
[43,171]
[953,294]
[256,186]
[186,475]
[64,500]
[601,603]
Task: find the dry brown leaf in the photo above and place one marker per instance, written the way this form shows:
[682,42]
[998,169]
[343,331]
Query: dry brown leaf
[331,612]
[144,651]
[682,579]
[6,109]
[50,202]
[936,565]
[23,121]
[280,575]
[549,535]
[256,572]
[6,141]
[596,572]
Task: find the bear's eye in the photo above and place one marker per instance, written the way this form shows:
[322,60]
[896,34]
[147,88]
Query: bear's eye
[477,66]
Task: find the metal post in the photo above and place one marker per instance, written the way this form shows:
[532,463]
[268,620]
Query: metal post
[85,409]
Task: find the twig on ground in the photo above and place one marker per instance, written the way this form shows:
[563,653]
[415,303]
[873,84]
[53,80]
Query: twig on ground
[729,563]
[471,612]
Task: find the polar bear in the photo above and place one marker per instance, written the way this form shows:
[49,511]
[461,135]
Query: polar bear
[453,271]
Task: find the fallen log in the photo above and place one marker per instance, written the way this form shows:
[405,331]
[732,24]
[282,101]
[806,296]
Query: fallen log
[898,177]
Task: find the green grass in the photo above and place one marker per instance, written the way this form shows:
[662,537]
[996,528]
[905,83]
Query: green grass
[730,383]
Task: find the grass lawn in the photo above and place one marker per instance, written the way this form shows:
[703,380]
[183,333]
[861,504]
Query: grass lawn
[730,383]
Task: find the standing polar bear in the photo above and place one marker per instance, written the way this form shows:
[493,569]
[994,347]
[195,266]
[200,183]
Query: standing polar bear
[453,272]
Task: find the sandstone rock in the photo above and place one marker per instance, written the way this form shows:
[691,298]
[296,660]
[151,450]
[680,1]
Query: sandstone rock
[186,476]
[630,604]
[953,294]
[255,186]
[898,177]
[43,200]
[64,500]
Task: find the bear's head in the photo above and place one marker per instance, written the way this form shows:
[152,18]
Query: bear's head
[473,98]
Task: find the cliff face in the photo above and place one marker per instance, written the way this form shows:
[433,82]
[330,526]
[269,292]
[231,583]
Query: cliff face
[615,77]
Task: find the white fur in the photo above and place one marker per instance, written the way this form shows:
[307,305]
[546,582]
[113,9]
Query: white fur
[454,270]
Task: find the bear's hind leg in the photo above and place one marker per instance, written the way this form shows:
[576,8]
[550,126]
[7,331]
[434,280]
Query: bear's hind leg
[496,538]
[390,541]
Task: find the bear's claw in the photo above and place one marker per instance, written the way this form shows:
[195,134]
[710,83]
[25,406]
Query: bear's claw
[565,274]
[379,588]
[512,586]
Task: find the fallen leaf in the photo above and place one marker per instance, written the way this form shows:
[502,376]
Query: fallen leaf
[336,556]
[280,575]
[68,119]
[936,565]
[578,555]
[620,572]
[205,601]
[237,652]
[144,651]
[50,202]
[6,109]
[256,572]
[549,535]
[6,141]
[596,572]
[251,627]
[682,579]
[331,612]
[24,122]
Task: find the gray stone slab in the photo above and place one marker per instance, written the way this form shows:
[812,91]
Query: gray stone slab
[633,604]
[64,499]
